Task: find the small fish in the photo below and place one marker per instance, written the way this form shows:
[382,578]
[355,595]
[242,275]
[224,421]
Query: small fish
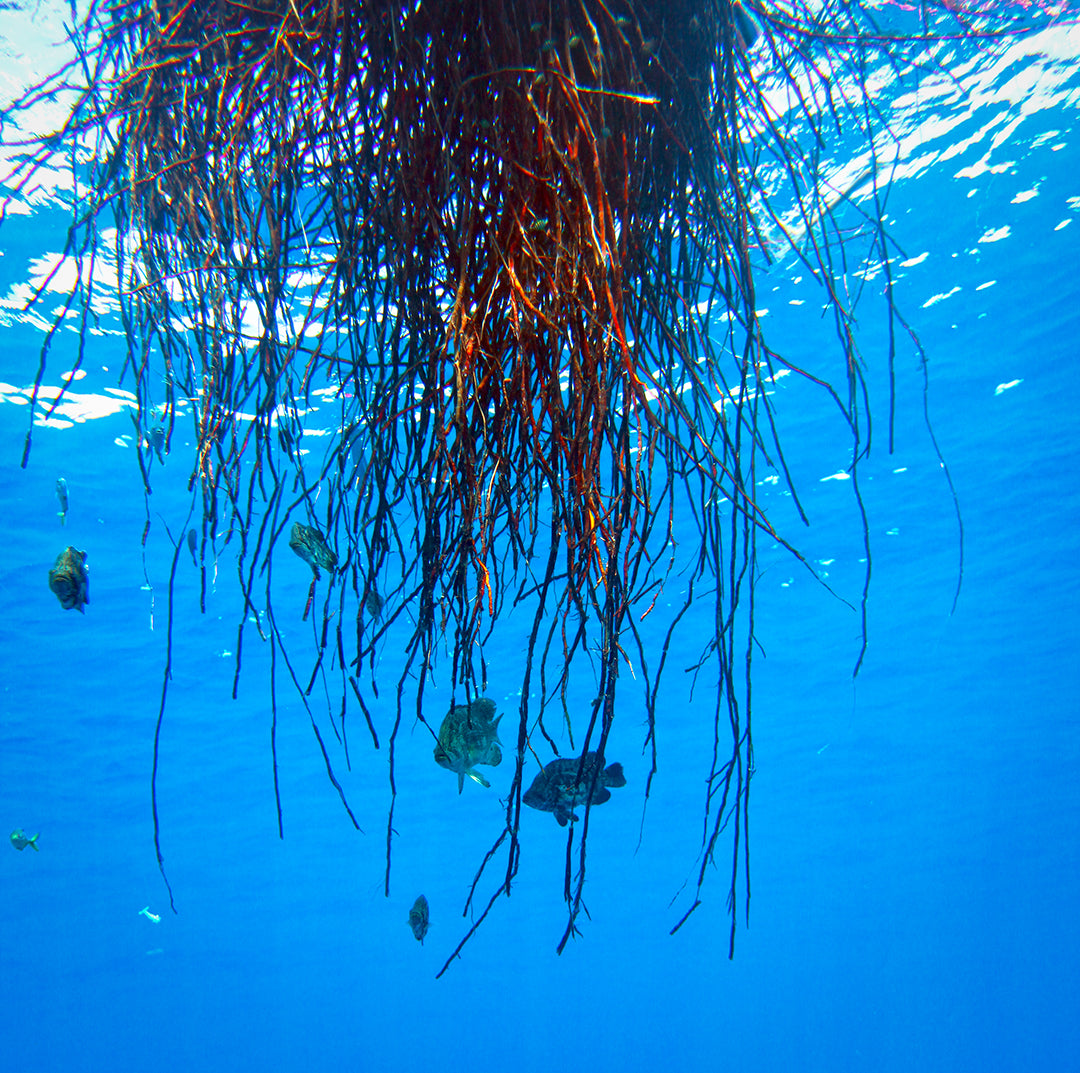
[311,546]
[419,919]
[20,841]
[539,224]
[192,543]
[373,603]
[61,494]
[154,918]
[559,789]
[469,735]
[155,439]
[68,579]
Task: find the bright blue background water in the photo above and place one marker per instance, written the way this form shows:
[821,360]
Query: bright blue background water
[914,832]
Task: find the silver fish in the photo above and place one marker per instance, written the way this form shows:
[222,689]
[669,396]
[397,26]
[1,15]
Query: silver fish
[469,736]
[560,789]
[68,579]
[61,494]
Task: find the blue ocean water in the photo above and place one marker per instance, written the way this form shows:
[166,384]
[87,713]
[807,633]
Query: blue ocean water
[914,831]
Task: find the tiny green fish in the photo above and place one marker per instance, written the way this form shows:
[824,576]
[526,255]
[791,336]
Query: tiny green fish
[539,224]
[20,841]
[68,579]
[419,919]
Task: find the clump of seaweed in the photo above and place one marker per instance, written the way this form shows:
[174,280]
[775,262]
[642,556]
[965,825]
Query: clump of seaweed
[514,243]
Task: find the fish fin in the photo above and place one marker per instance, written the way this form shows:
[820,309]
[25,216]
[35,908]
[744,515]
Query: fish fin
[460,781]
[602,794]
[33,842]
[478,778]
[613,776]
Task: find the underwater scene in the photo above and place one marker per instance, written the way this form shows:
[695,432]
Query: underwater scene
[400,527]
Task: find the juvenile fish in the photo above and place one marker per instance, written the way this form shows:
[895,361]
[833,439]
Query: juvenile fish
[69,580]
[419,919]
[61,494]
[155,441]
[311,546]
[373,603]
[20,841]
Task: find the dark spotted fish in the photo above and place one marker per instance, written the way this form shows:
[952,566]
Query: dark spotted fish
[69,580]
[469,735]
[559,789]
[419,919]
[311,546]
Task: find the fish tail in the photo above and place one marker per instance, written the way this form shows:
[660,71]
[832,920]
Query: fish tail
[613,775]
[33,842]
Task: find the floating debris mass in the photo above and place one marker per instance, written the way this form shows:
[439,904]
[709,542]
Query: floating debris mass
[514,244]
